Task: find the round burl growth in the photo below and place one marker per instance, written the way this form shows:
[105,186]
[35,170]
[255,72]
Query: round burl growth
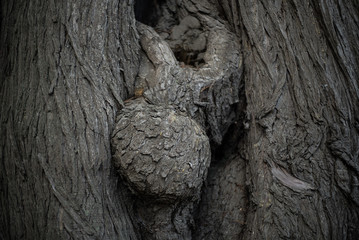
[160,152]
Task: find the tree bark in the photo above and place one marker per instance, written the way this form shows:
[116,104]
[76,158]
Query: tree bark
[301,87]
[285,142]
[66,66]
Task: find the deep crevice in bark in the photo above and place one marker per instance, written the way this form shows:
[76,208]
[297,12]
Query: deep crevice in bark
[59,99]
[148,11]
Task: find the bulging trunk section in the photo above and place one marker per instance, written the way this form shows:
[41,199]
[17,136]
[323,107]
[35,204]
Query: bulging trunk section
[255,104]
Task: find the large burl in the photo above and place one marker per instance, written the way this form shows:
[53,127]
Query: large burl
[160,145]
[160,152]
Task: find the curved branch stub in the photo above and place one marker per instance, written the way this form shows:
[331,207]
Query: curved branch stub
[206,93]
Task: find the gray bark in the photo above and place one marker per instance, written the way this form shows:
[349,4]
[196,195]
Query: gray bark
[273,85]
[66,66]
[159,149]
[163,155]
[301,86]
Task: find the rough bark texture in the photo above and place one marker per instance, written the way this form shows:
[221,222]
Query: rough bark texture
[163,155]
[302,101]
[65,68]
[273,84]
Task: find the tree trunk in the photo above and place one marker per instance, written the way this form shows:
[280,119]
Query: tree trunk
[66,66]
[302,94]
[284,132]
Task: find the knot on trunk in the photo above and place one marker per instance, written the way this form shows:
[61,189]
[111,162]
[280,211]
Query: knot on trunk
[160,152]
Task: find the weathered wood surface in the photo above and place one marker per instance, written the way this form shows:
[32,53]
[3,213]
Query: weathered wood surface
[65,68]
[284,141]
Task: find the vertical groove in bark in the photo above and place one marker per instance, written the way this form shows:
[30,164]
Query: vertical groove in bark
[302,96]
[68,65]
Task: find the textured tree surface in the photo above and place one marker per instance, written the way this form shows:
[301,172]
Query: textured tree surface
[268,88]
[161,153]
[65,68]
[302,100]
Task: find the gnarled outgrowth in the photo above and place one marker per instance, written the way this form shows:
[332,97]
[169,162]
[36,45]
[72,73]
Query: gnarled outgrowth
[167,179]
[66,66]
[207,93]
[163,156]
[160,152]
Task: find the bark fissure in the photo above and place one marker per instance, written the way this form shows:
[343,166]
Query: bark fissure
[270,86]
